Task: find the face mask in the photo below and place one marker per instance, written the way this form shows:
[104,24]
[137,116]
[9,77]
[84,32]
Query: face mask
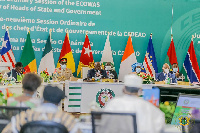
[63,66]
[175,70]
[107,67]
[166,70]
[138,70]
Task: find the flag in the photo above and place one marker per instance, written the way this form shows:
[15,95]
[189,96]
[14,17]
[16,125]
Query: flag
[128,59]
[66,52]
[191,66]
[47,61]
[107,53]
[150,64]
[86,56]
[171,54]
[28,57]
[6,52]
[183,77]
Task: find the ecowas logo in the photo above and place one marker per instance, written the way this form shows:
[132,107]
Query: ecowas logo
[184,121]
[103,96]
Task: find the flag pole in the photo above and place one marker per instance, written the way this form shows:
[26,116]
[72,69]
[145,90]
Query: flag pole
[172,18]
[192,37]
[86,33]
[151,35]
[28,30]
[7,29]
[50,30]
[68,34]
[171,37]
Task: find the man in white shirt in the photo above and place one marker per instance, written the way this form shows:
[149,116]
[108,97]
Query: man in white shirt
[149,118]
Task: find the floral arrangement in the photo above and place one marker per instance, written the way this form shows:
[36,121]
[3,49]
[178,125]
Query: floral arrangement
[45,75]
[147,79]
[1,77]
[2,100]
[168,108]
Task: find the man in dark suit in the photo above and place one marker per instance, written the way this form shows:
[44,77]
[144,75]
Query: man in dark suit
[165,74]
[97,72]
[18,70]
[109,71]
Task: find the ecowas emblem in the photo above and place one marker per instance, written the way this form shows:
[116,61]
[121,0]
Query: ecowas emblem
[183,121]
[103,96]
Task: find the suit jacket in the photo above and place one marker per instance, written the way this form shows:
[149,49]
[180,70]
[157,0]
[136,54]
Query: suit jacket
[114,73]
[180,74]
[161,77]
[14,74]
[92,72]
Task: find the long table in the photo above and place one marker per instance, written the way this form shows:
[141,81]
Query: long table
[17,88]
[84,96]
[171,92]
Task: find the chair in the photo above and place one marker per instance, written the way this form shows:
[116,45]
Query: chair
[6,113]
[98,115]
[43,127]
[85,72]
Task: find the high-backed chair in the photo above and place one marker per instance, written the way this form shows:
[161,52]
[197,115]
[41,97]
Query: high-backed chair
[98,116]
[43,127]
[6,113]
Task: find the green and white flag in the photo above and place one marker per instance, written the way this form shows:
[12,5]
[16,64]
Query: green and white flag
[47,61]
[107,52]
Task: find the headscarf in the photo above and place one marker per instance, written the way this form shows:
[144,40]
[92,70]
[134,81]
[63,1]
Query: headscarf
[135,65]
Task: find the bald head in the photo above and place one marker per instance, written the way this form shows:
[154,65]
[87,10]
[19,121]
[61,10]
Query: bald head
[165,66]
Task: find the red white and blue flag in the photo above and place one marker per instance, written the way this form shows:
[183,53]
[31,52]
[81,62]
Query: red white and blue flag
[6,52]
[191,65]
[150,64]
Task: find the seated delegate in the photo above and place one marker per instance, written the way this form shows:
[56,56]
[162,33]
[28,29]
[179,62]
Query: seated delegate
[165,74]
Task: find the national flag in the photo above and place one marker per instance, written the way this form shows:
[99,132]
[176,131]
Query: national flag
[171,54]
[28,57]
[6,52]
[184,76]
[107,53]
[191,65]
[128,59]
[86,56]
[150,64]
[66,52]
[47,61]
